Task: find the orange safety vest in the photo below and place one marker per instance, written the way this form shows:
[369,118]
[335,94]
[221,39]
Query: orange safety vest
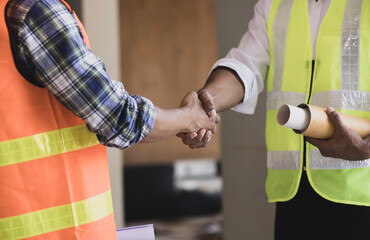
[54,177]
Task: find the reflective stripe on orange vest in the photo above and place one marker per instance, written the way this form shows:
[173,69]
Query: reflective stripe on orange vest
[46,144]
[56,218]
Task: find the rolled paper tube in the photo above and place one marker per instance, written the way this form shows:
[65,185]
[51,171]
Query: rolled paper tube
[321,127]
[293,117]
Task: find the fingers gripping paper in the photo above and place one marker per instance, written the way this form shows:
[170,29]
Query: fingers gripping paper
[313,121]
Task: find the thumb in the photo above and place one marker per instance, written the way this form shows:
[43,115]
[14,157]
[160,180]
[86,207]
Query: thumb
[335,118]
[189,99]
[208,103]
[218,118]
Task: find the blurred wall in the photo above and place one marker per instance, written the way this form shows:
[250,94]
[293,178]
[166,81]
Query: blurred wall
[76,6]
[167,49]
[101,23]
[247,214]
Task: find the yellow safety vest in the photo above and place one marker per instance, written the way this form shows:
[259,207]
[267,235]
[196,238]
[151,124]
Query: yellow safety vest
[341,79]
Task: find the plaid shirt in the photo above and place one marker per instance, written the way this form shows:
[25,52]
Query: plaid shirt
[49,51]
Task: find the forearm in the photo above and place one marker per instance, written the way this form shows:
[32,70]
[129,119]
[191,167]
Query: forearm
[168,122]
[190,117]
[81,84]
[225,87]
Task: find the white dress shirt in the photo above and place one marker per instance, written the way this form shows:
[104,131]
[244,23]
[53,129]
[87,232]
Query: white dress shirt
[252,58]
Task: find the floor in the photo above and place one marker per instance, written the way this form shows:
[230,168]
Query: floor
[190,228]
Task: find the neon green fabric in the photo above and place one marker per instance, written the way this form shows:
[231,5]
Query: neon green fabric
[282,179]
[282,184]
[340,80]
[56,218]
[46,144]
[329,184]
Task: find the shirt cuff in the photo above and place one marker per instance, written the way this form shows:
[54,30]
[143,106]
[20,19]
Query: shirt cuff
[148,116]
[249,102]
[138,124]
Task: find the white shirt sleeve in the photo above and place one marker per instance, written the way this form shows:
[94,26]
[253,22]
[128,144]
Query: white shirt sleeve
[250,60]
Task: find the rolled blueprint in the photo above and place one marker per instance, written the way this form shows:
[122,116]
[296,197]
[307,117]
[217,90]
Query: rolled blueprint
[293,117]
[313,121]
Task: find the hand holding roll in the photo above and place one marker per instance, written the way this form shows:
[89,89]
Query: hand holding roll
[335,134]
[313,121]
[344,144]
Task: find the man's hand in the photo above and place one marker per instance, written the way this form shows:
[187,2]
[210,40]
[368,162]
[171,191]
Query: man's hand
[223,90]
[198,118]
[201,138]
[189,118]
[345,143]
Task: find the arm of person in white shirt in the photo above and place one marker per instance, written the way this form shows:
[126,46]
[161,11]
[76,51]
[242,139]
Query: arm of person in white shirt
[248,64]
[236,80]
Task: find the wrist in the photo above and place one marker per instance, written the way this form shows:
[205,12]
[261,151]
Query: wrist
[364,149]
[225,87]
[367,147]
[168,122]
[184,119]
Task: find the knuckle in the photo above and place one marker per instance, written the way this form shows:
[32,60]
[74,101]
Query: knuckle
[214,130]
[206,98]
[202,95]
[198,139]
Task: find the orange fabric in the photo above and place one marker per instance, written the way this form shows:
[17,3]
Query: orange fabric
[23,99]
[74,176]
[26,110]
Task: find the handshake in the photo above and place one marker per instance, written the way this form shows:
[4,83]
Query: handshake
[204,119]
[196,118]
[194,121]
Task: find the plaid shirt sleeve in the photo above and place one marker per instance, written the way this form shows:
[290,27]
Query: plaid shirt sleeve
[52,52]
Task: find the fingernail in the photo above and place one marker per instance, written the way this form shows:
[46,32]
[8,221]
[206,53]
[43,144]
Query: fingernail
[330,110]
[203,133]
[212,113]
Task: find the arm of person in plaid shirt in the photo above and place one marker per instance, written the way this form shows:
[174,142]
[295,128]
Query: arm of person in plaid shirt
[52,54]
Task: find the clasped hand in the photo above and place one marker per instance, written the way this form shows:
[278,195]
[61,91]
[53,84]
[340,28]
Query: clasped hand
[202,136]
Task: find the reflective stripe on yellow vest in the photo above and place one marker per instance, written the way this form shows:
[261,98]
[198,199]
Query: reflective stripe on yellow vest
[54,176]
[340,79]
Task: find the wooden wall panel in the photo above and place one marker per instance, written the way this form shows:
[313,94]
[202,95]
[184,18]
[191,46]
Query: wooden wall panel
[168,48]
